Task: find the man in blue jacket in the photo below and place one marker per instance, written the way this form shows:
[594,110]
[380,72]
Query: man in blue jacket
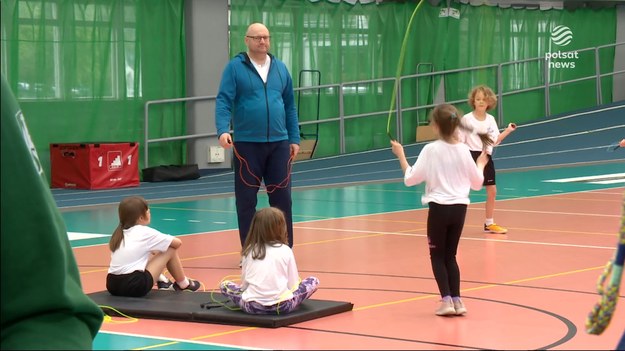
[256,97]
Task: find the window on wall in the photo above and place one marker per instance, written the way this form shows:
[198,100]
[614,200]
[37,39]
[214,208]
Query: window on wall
[38,71]
[73,51]
[354,39]
[94,52]
[130,59]
[528,51]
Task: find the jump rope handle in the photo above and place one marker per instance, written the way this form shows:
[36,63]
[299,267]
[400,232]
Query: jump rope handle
[614,146]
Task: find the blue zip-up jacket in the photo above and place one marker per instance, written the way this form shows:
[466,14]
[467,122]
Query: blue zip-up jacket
[260,112]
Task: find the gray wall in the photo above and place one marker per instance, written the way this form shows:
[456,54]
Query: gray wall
[207,55]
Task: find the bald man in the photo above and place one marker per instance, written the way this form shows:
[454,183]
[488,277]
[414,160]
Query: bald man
[256,99]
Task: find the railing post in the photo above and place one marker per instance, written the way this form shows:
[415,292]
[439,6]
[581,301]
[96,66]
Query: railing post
[341,121]
[598,72]
[500,94]
[146,134]
[547,101]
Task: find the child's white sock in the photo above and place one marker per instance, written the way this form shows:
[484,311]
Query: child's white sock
[163,278]
[489,221]
[183,284]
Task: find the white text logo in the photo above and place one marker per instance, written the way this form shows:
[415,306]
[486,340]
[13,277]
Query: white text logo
[561,36]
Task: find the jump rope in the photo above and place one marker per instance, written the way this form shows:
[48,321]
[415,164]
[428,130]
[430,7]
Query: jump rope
[226,303]
[601,314]
[400,65]
[613,147]
[268,187]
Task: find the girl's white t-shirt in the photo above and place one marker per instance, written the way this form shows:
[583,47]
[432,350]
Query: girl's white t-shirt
[135,250]
[448,171]
[472,139]
[272,279]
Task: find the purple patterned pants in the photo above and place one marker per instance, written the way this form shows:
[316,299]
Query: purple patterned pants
[305,289]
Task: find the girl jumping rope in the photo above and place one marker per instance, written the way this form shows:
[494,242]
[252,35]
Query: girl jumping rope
[449,173]
[270,281]
[482,99]
[140,254]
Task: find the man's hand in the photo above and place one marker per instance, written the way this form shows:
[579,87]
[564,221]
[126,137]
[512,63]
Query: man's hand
[294,150]
[225,140]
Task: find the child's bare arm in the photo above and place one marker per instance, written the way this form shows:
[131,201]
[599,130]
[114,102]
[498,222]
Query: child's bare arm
[398,150]
[511,128]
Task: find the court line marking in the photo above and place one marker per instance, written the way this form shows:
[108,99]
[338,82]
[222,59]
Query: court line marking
[81,236]
[553,212]
[599,177]
[172,341]
[379,233]
[487,286]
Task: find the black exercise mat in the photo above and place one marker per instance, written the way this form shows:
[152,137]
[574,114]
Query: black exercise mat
[201,307]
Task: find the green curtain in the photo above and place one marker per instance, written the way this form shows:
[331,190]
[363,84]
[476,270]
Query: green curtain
[341,42]
[509,34]
[82,71]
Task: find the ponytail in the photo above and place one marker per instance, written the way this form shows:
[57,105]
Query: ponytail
[116,238]
[486,140]
[130,209]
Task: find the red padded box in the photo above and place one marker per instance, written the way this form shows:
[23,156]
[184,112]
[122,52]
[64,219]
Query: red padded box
[94,165]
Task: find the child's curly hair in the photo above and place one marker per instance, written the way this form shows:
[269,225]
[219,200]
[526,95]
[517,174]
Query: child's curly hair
[489,96]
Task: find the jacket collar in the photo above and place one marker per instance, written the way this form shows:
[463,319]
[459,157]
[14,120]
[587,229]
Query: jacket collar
[246,58]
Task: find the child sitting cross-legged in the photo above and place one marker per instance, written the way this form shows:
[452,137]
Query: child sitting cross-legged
[270,281]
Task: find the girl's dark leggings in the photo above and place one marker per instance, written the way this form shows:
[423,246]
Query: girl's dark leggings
[445,223]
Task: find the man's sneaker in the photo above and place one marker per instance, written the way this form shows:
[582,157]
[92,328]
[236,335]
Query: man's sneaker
[459,306]
[193,286]
[165,285]
[495,229]
[446,308]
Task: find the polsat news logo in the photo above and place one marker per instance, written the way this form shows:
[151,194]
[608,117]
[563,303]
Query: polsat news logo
[561,36]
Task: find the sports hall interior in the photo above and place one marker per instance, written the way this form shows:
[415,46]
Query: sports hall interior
[146,73]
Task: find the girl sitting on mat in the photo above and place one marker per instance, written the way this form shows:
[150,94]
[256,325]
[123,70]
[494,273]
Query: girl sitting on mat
[140,254]
[449,173]
[270,281]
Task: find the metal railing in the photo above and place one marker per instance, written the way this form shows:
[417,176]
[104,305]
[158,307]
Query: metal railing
[398,110]
[146,124]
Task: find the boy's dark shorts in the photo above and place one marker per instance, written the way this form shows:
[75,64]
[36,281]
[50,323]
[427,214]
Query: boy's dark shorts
[489,170]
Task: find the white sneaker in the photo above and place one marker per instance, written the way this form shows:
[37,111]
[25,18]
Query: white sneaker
[459,306]
[446,308]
